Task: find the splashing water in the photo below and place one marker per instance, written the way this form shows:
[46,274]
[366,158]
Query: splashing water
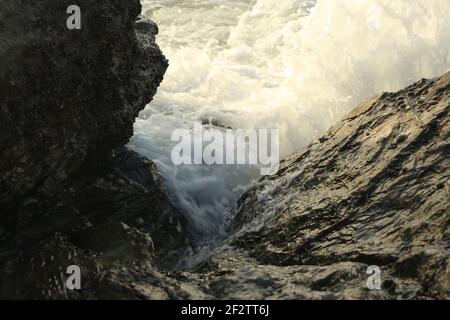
[295,65]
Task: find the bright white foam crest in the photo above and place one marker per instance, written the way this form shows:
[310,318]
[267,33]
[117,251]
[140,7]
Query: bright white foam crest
[273,64]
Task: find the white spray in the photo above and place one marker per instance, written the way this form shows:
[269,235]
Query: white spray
[294,65]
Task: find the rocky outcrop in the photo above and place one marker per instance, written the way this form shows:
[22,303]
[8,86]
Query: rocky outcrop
[374,190]
[118,218]
[70,193]
[69,96]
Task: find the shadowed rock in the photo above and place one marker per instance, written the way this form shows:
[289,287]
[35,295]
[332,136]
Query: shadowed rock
[70,194]
[69,96]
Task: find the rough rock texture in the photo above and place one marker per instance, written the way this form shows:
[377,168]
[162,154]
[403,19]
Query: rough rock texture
[70,194]
[116,219]
[374,190]
[68,96]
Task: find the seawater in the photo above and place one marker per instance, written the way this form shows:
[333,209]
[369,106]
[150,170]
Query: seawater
[295,65]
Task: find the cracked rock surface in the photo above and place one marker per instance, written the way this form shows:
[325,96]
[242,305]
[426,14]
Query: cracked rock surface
[374,190]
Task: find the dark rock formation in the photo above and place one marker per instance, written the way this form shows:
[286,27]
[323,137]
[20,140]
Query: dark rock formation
[70,194]
[117,218]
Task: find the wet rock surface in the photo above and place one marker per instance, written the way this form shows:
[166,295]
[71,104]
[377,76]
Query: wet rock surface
[372,191]
[348,201]
[116,224]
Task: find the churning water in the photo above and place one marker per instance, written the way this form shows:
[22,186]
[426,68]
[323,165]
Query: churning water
[295,65]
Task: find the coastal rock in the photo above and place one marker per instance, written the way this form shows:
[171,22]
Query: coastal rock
[371,191]
[70,193]
[69,97]
[109,223]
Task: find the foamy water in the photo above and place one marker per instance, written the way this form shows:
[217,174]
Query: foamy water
[294,65]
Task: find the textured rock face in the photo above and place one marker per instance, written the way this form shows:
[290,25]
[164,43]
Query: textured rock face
[111,223]
[374,190]
[69,193]
[68,96]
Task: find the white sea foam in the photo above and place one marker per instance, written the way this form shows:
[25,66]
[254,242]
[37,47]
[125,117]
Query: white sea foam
[294,65]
